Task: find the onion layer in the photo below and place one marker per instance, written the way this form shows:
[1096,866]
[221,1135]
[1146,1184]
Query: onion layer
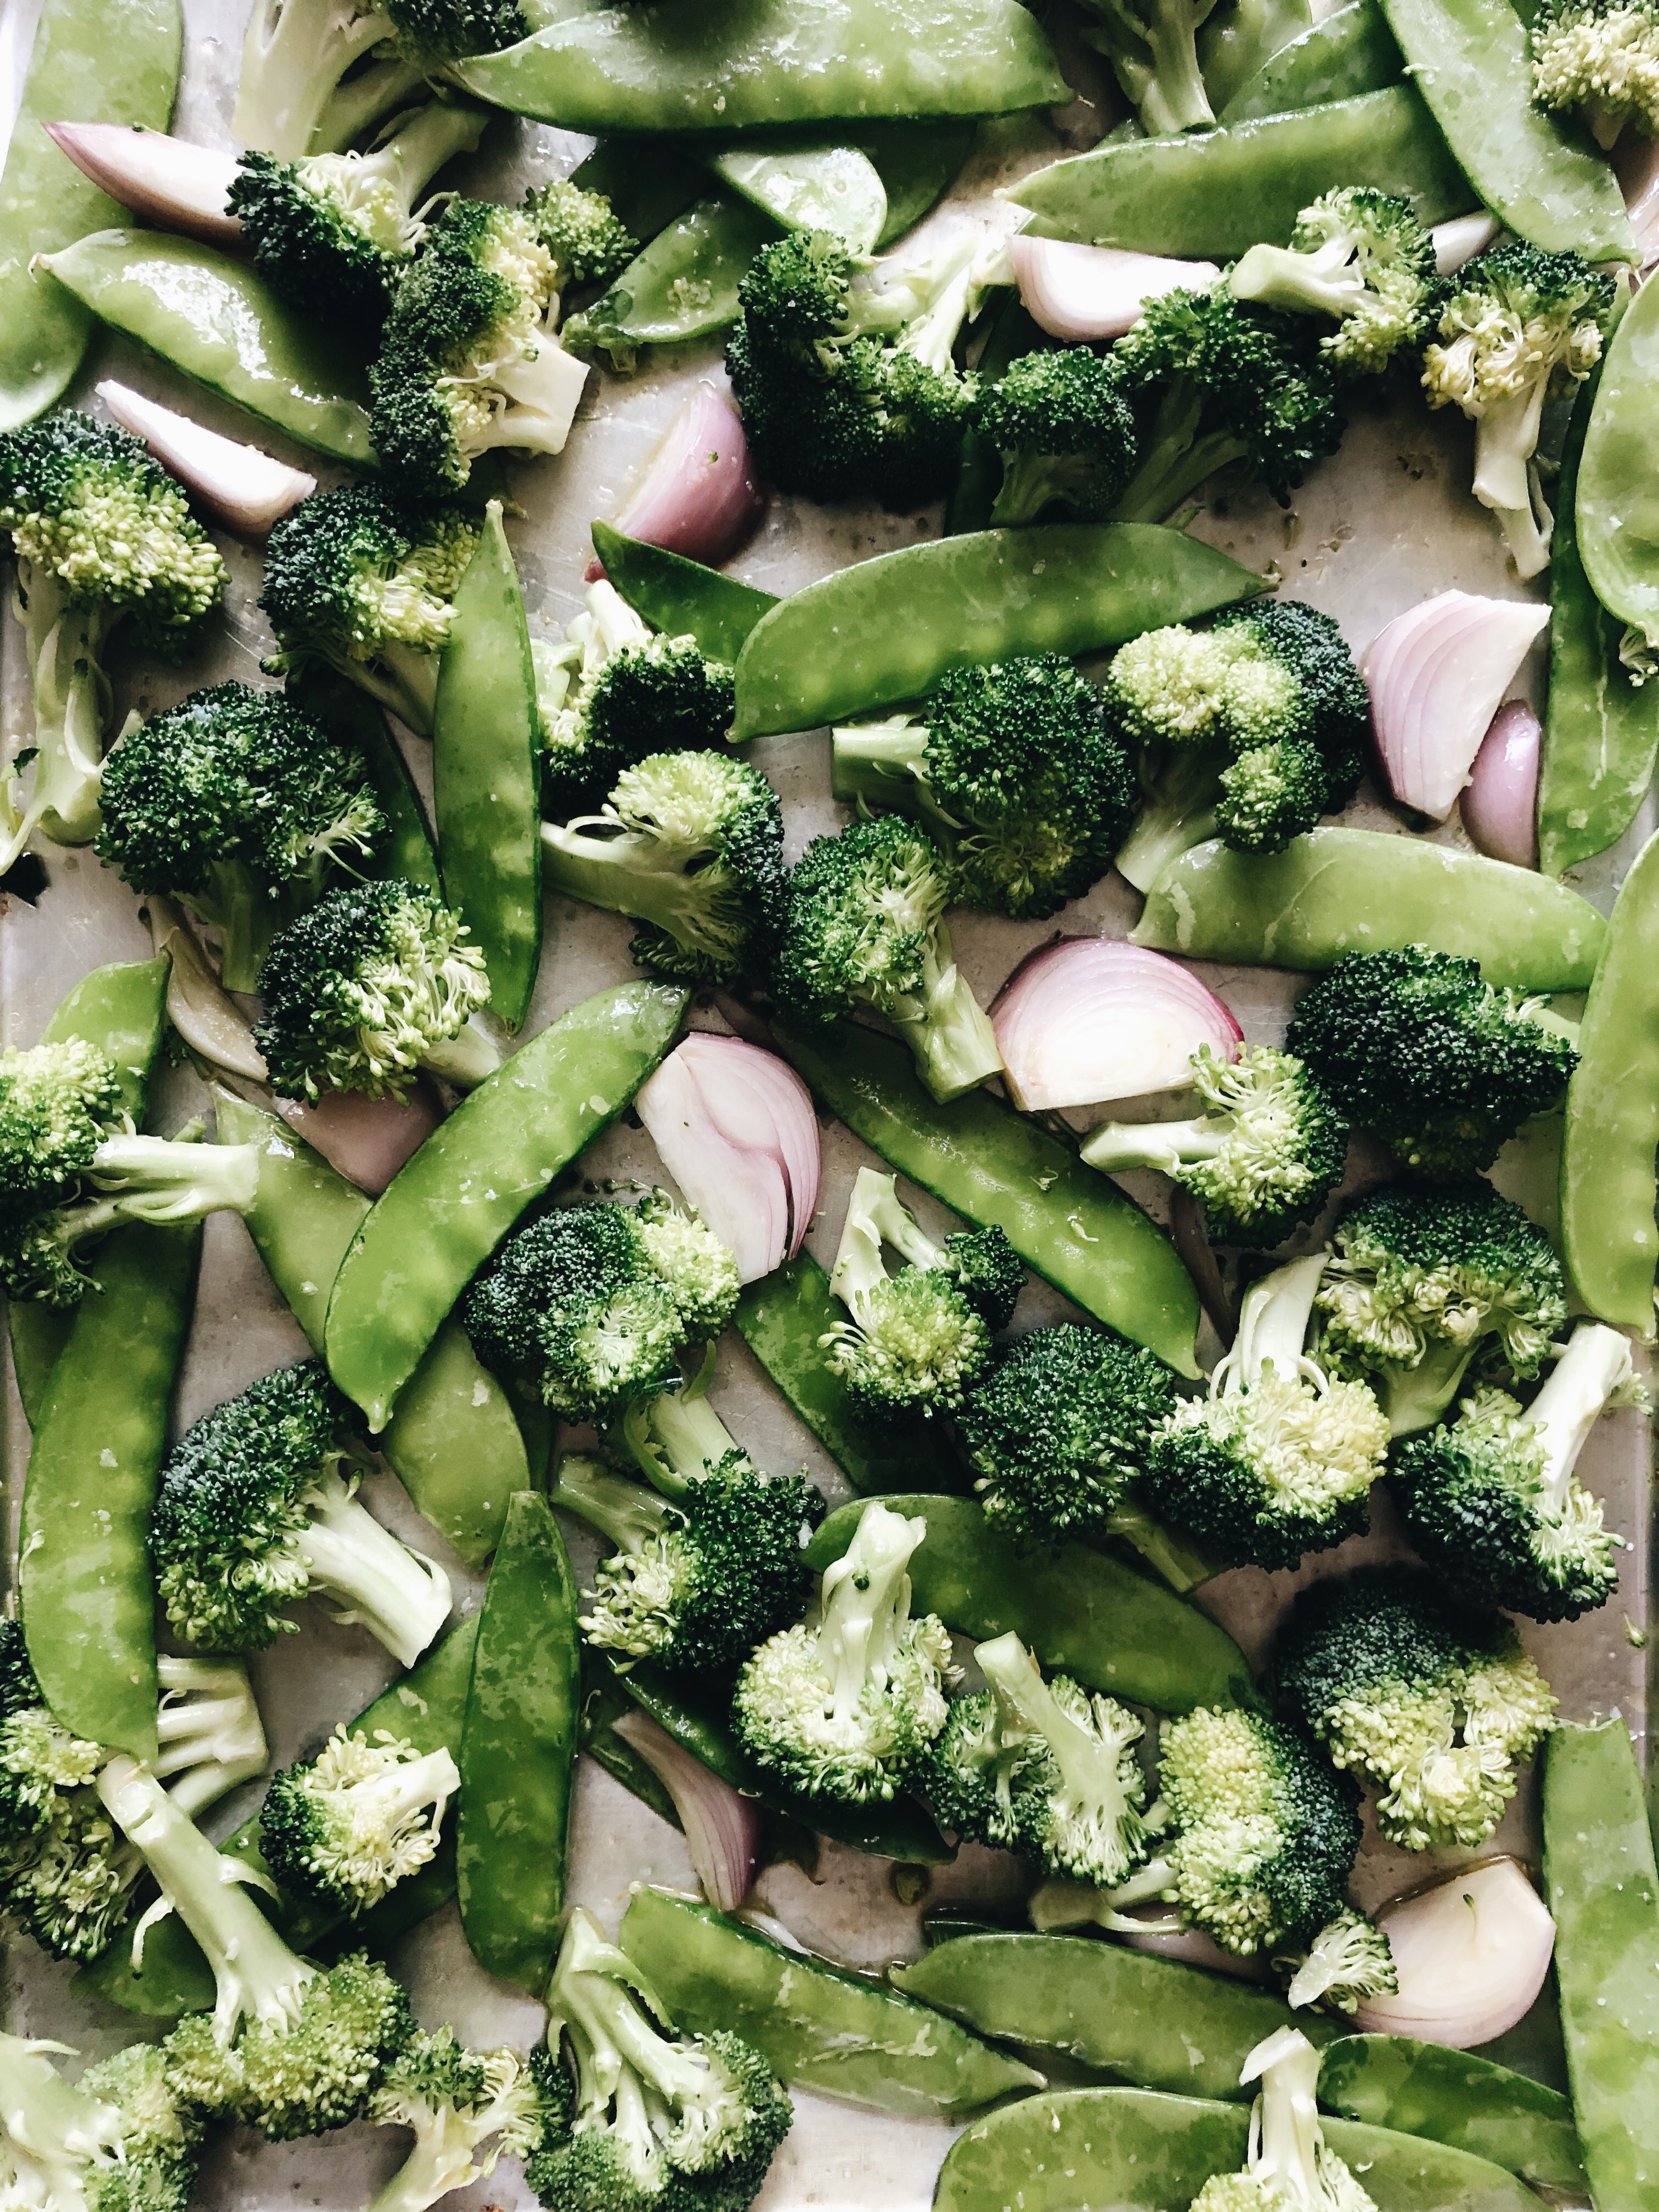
[246,488]
[1459,241]
[722,1830]
[198,1005]
[1500,803]
[169,182]
[699,495]
[1438,674]
[1091,1019]
[1471,1955]
[1079,292]
[368,1140]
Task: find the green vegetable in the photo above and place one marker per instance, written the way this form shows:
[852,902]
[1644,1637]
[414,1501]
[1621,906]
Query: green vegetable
[1454,2097]
[834,188]
[122,2136]
[1618,512]
[683,286]
[1238,40]
[1345,54]
[343,1829]
[681,598]
[406,853]
[1359,259]
[1065,433]
[465,2108]
[1585,54]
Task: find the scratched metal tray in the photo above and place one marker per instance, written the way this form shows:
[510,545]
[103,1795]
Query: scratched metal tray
[1383,524]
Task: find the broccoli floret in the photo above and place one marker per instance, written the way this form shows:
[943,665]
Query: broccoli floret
[1350,1959]
[1491,1502]
[844,380]
[465,2108]
[365,582]
[1066,433]
[101,535]
[348,1826]
[1279,1460]
[865,922]
[71,1168]
[647,2116]
[692,845]
[589,241]
[1601,56]
[1361,256]
[1291,2168]
[1521,327]
[845,1704]
[469,361]
[1266,1157]
[375,983]
[1410,1043]
[1015,775]
[122,2140]
[1153,46]
[258,1509]
[241,806]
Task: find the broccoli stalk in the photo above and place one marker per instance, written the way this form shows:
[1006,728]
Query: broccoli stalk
[1153,45]
[1360,257]
[210,1737]
[120,2139]
[1291,2168]
[350,1825]
[465,2108]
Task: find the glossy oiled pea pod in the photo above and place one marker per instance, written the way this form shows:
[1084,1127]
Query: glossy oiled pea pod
[1080,1611]
[1348,53]
[833,188]
[1238,38]
[1618,503]
[819,2026]
[1456,2098]
[681,598]
[1362,891]
[684,284]
[99,64]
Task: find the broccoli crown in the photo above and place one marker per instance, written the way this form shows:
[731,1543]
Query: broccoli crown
[1518,322]
[1432,1703]
[589,241]
[1360,256]
[1349,1959]
[85,502]
[646,700]
[121,2141]
[863,913]
[160,2137]
[350,1825]
[436,31]
[1413,1044]
[1066,433]
[465,2107]
[1601,56]
[57,1103]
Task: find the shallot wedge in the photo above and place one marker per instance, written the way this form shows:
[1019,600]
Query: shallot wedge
[1459,241]
[198,1005]
[722,1830]
[367,1139]
[1438,674]
[1085,292]
[699,495]
[1471,1953]
[1500,800]
[248,490]
[169,182]
[1091,1019]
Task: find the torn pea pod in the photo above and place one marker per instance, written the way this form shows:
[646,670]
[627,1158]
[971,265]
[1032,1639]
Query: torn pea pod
[681,598]
[683,286]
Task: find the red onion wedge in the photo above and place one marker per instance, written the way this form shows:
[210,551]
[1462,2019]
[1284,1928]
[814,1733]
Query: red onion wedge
[171,184]
[367,1139]
[1091,1019]
[722,1830]
[1438,674]
[1471,1953]
[699,495]
[1500,800]
[1636,165]
[1079,292]
[248,490]
[1459,241]
[736,1130]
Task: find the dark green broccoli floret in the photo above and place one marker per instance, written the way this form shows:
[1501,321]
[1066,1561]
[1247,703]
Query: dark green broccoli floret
[1153,46]
[1433,1705]
[1066,433]
[1015,775]
[465,2108]
[1360,257]
[101,535]
[1413,1045]
[348,1826]
[589,241]
[122,2140]
[1601,56]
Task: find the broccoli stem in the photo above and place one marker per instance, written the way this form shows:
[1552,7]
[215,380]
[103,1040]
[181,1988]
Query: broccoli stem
[1175,460]
[628,1516]
[676,1437]
[874,1217]
[209,1730]
[1181,1564]
[1505,439]
[865,1597]
[946,1028]
[416,147]
[591,1994]
[1594,1369]
[465,1060]
[1166,1145]
[365,99]
[52,2131]
[545,387]
[1414,1398]
[651,876]
[168,1179]
[1285,2137]
[1176,99]
[879,761]
[1088,1762]
[1179,813]
[293,59]
[1030,482]
[64,648]
[400,1598]
[1326,281]
[404,679]
[1272,1325]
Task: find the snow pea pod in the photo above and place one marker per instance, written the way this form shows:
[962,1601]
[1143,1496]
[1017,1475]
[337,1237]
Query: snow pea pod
[1075,1228]
[518,1751]
[916,163]
[819,2026]
[1617,505]
[740,64]
[1080,1610]
[1211,195]
[833,188]
[1345,890]
[1237,40]
[684,285]
[1350,52]
[1454,2096]
[431,1229]
[647,181]
[99,64]
[217,321]
[1538,171]
[1608,1183]
[842,645]
[407,851]
[1600,1884]
[681,598]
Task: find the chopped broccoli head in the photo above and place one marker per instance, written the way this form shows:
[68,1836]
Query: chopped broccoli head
[845,1704]
[348,1826]
[1361,256]
[1291,2168]
[587,240]
[1066,433]
[257,1509]
[1012,770]
[1601,56]
[465,2108]
[1153,46]
[1348,1960]
[121,2140]
[1413,1044]
[1433,1705]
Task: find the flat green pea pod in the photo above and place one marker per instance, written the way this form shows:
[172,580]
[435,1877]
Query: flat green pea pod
[1080,1611]
[781,1318]
[819,2026]
[1152,2022]
[486,772]
[1362,891]
[1538,172]
[1608,1183]
[681,598]
[99,64]
[1454,2096]
[1348,53]
[431,1229]
[835,649]
[1211,195]
[407,852]
[1240,37]
[217,321]
[833,188]
[518,1751]
[453,1442]
[1075,1228]
[740,64]
[1600,1884]
[683,286]
[1617,505]
[647,181]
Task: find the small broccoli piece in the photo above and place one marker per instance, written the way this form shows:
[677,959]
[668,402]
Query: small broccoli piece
[365,582]
[844,1706]
[1066,433]
[865,922]
[258,1509]
[845,380]
[1291,2168]
[1601,56]
[1015,775]
[1279,1460]
[1348,1960]
[465,2108]
[1520,327]
[1427,1279]
[1491,1502]
[1153,46]
[121,2140]
[587,240]
[1433,1705]
[1359,256]
[1411,1044]
[1264,1159]
[469,361]
[102,536]
[347,1826]
[376,983]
